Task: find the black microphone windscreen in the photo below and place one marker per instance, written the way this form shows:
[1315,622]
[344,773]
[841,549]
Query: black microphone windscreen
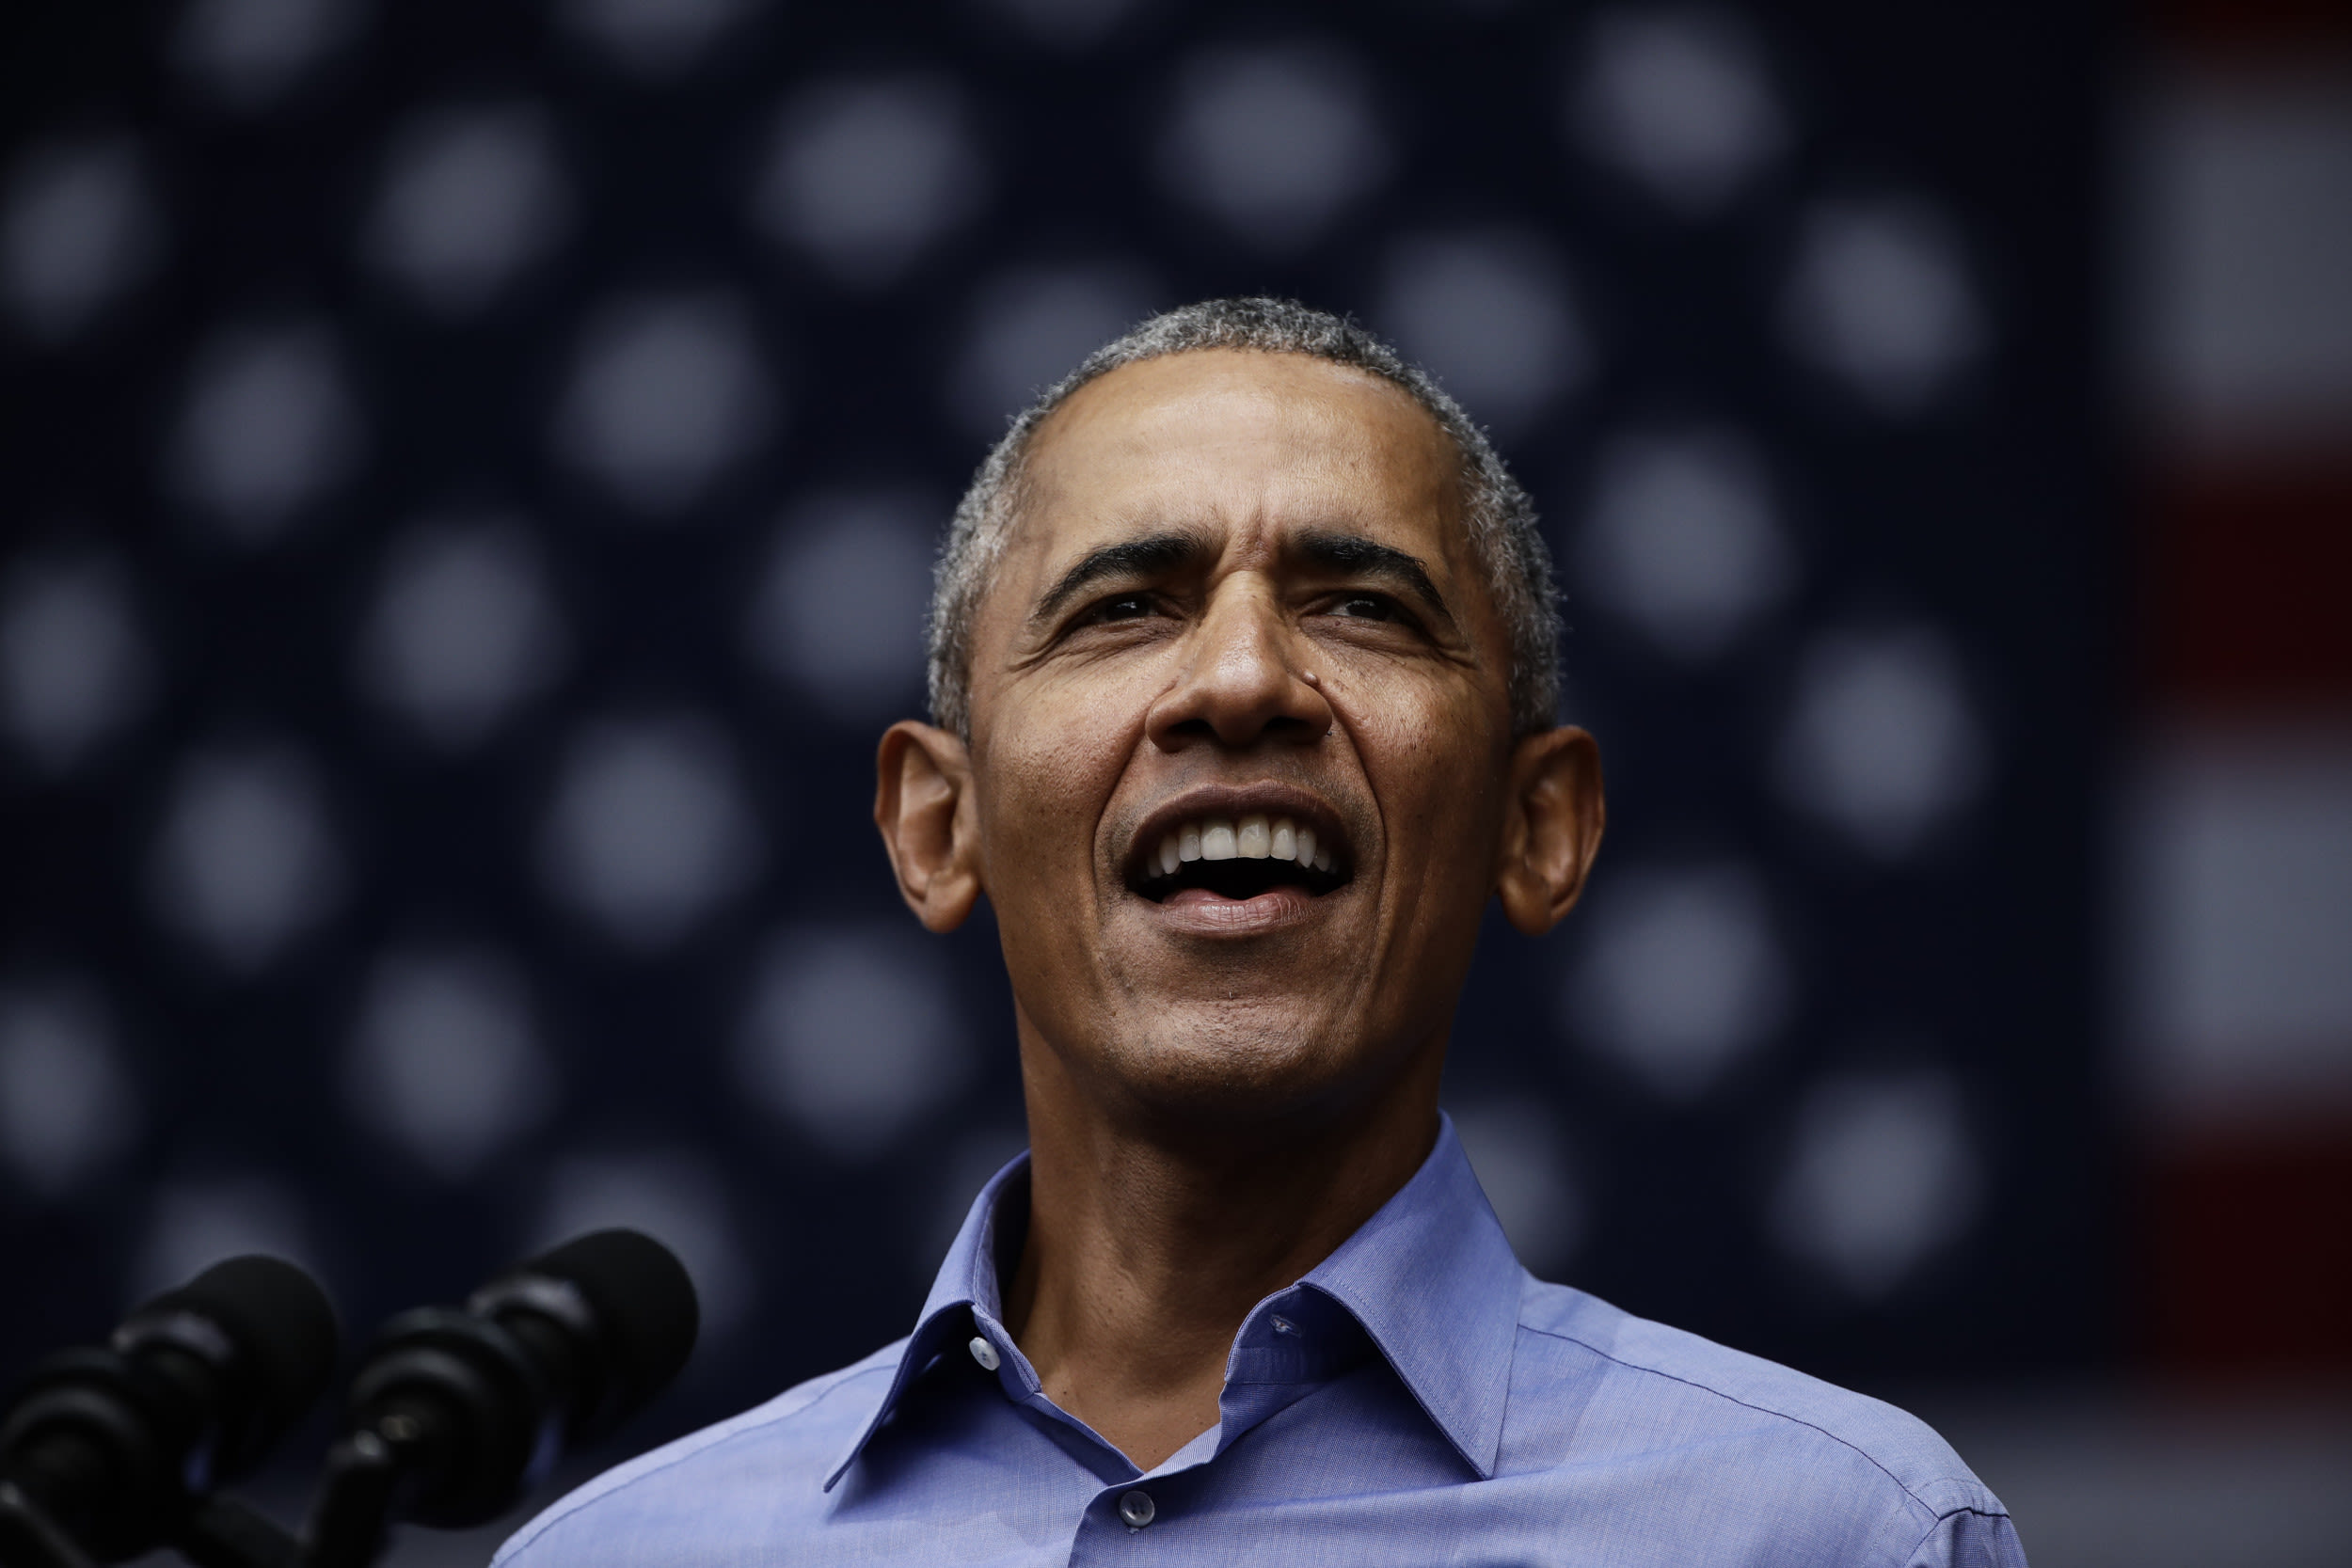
[641,1295]
[281,1322]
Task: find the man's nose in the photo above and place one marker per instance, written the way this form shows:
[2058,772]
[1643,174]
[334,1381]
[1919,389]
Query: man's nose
[1242,681]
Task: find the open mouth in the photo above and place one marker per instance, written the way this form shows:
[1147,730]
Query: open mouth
[1240,858]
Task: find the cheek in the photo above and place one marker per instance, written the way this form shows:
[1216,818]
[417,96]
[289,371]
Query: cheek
[1043,783]
[1434,766]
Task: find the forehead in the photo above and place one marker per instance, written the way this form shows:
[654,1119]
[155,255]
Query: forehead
[1241,440]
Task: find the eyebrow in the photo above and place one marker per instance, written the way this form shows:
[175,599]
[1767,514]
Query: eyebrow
[1152,555]
[1155,554]
[1354,553]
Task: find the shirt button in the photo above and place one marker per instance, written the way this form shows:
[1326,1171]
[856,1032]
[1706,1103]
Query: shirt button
[983,1353]
[1283,1326]
[1137,1510]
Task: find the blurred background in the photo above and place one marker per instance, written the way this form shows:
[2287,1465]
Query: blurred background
[469,476]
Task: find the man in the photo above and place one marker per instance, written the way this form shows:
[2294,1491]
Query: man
[1243,668]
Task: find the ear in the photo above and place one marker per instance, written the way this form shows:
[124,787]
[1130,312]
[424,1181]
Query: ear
[923,804]
[1552,827]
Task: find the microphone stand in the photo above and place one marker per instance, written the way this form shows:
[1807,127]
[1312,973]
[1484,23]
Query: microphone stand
[356,1496]
[222,1533]
[350,1519]
[30,1539]
[214,1533]
[454,1417]
[346,1531]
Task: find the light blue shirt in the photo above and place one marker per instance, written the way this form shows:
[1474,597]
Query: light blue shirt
[1417,1399]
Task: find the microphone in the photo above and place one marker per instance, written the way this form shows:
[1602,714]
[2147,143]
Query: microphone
[455,1413]
[111,1446]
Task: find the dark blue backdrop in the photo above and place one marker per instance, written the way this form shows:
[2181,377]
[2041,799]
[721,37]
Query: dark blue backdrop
[468,472]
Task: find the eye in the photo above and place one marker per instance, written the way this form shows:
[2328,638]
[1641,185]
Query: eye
[1126,607]
[1367,607]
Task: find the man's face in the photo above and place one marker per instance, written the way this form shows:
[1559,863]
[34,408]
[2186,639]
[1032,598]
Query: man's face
[1240,608]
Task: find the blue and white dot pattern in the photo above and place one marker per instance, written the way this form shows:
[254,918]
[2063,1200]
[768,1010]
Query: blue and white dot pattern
[471,479]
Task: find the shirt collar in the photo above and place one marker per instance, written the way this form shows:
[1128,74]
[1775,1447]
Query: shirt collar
[1430,1277]
[1434,1282]
[965,1290]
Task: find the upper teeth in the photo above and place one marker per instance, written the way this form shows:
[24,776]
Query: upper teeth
[1251,839]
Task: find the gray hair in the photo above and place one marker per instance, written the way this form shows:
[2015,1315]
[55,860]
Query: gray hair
[1501,515]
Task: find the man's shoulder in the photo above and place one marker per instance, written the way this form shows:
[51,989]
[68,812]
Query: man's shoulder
[802,1433]
[1662,1385]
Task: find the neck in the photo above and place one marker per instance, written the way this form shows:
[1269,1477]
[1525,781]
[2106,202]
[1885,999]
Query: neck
[1148,1246]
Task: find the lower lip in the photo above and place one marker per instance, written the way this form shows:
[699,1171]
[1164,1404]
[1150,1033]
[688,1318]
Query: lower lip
[1202,913]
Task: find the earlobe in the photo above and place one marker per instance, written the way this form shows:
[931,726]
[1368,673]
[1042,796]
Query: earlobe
[1551,829]
[923,804]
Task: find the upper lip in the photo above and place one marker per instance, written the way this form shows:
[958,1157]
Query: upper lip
[1268,798]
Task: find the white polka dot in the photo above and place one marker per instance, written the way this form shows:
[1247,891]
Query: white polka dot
[651,38]
[863,176]
[668,394]
[74,669]
[649,831]
[1881,1176]
[444,1062]
[839,613]
[78,228]
[245,863]
[1521,1160]
[1275,141]
[676,1196]
[67,1105]
[1030,326]
[1879,298]
[1676,99]
[246,54]
[266,429]
[1489,313]
[852,1036]
[470,196]
[1682,540]
[199,1221]
[1880,743]
[461,629]
[1681,976]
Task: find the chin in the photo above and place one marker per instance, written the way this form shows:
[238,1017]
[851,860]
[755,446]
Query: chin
[1241,1064]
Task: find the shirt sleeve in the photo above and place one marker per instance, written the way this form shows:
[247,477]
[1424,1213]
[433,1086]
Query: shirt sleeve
[1969,1539]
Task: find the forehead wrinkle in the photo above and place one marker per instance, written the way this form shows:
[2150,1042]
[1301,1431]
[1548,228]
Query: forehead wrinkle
[1105,422]
[1336,402]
